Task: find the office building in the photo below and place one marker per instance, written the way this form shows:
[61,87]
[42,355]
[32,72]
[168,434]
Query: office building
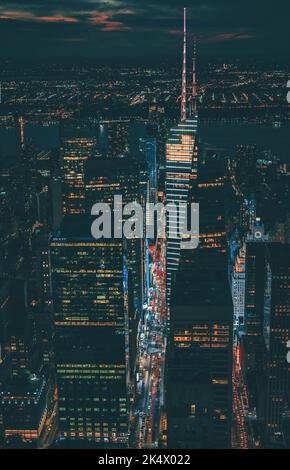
[181,170]
[199,365]
[89,293]
[78,143]
[276,327]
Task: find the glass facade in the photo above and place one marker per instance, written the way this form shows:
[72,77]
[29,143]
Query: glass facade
[181,170]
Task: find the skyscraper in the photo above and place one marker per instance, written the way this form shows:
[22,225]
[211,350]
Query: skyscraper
[89,291]
[181,169]
[4,328]
[254,291]
[104,179]
[148,148]
[267,326]
[238,291]
[199,390]
[209,191]
[276,328]
[253,342]
[78,143]
[114,135]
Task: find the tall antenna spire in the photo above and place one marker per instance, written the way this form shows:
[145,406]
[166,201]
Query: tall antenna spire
[21,126]
[183,97]
[194,87]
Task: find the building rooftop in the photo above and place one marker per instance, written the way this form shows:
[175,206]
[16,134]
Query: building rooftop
[109,167]
[201,287]
[278,255]
[78,228]
[29,386]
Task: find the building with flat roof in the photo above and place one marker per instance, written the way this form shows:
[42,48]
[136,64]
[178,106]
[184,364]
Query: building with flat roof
[199,365]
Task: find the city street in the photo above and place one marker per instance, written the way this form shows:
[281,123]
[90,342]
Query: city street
[151,361]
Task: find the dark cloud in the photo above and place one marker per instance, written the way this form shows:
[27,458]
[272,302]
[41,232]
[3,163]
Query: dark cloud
[139,27]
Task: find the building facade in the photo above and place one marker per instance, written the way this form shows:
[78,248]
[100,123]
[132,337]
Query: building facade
[89,293]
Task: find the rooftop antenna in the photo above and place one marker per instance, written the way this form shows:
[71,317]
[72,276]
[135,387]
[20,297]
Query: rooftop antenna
[183,96]
[22,137]
[194,86]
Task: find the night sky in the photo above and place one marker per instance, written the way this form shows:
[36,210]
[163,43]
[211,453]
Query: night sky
[141,28]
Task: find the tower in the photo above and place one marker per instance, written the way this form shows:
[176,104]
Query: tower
[79,142]
[89,293]
[199,361]
[181,170]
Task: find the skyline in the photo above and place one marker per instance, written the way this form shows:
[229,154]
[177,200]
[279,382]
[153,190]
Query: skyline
[144,261]
[92,28]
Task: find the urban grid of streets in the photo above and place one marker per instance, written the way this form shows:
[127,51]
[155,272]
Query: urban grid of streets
[149,411]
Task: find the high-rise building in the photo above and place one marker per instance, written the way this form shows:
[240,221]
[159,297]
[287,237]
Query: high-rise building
[181,171]
[114,138]
[209,191]
[238,291]
[20,333]
[254,303]
[109,177]
[148,148]
[245,163]
[44,163]
[252,341]
[89,293]
[267,326]
[199,390]
[105,178]
[4,328]
[276,328]
[254,292]
[254,280]
[78,143]
[200,352]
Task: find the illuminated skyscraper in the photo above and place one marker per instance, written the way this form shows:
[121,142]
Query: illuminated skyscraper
[181,169]
[114,138]
[105,178]
[78,143]
[254,293]
[89,290]
[210,192]
[238,291]
[148,148]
